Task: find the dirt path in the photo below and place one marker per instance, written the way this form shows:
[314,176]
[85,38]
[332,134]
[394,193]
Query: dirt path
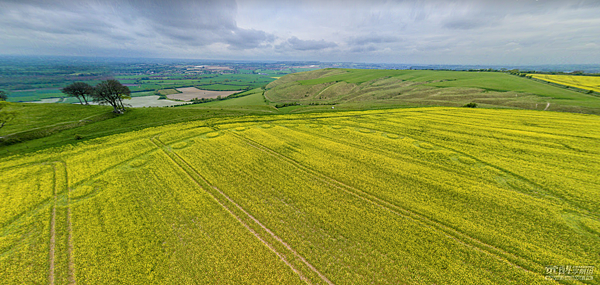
[171,155]
[547,105]
[451,233]
[324,89]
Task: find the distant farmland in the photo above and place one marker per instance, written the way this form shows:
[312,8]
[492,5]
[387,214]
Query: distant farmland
[190,93]
[404,196]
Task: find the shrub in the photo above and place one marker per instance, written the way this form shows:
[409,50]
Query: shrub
[471,105]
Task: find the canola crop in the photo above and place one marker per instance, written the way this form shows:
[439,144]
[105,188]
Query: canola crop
[409,196]
[591,83]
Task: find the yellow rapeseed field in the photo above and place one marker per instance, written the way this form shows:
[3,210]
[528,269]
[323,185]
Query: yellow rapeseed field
[407,196]
[582,82]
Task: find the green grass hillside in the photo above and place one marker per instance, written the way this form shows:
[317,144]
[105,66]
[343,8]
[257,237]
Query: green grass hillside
[426,88]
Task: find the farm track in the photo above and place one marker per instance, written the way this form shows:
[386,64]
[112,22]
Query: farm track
[67,190]
[52,232]
[199,180]
[53,201]
[476,244]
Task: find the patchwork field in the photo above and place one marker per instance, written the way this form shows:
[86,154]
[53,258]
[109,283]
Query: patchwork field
[578,81]
[190,93]
[405,196]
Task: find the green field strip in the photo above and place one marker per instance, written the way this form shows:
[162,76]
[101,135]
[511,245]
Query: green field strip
[500,254]
[261,235]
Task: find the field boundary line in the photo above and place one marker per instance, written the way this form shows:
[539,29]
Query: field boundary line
[174,157]
[446,230]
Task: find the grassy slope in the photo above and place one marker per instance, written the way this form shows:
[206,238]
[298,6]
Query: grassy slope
[425,87]
[134,119]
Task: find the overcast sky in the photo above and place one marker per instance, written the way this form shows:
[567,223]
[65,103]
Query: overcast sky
[508,32]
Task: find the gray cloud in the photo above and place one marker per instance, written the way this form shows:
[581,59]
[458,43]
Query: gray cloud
[295,43]
[363,49]
[136,22]
[372,39]
[419,31]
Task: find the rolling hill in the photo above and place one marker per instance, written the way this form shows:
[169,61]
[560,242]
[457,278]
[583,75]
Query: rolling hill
[354,87]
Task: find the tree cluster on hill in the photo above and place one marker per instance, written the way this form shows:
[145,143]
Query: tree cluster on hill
[109,92]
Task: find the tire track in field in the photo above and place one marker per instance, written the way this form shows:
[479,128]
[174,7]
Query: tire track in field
[449,232]
[183,164]
[70,259]
[53,231]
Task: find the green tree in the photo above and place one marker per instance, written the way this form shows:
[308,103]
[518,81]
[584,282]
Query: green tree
[79,90]
[3,95]
[112,92]
[5,116]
